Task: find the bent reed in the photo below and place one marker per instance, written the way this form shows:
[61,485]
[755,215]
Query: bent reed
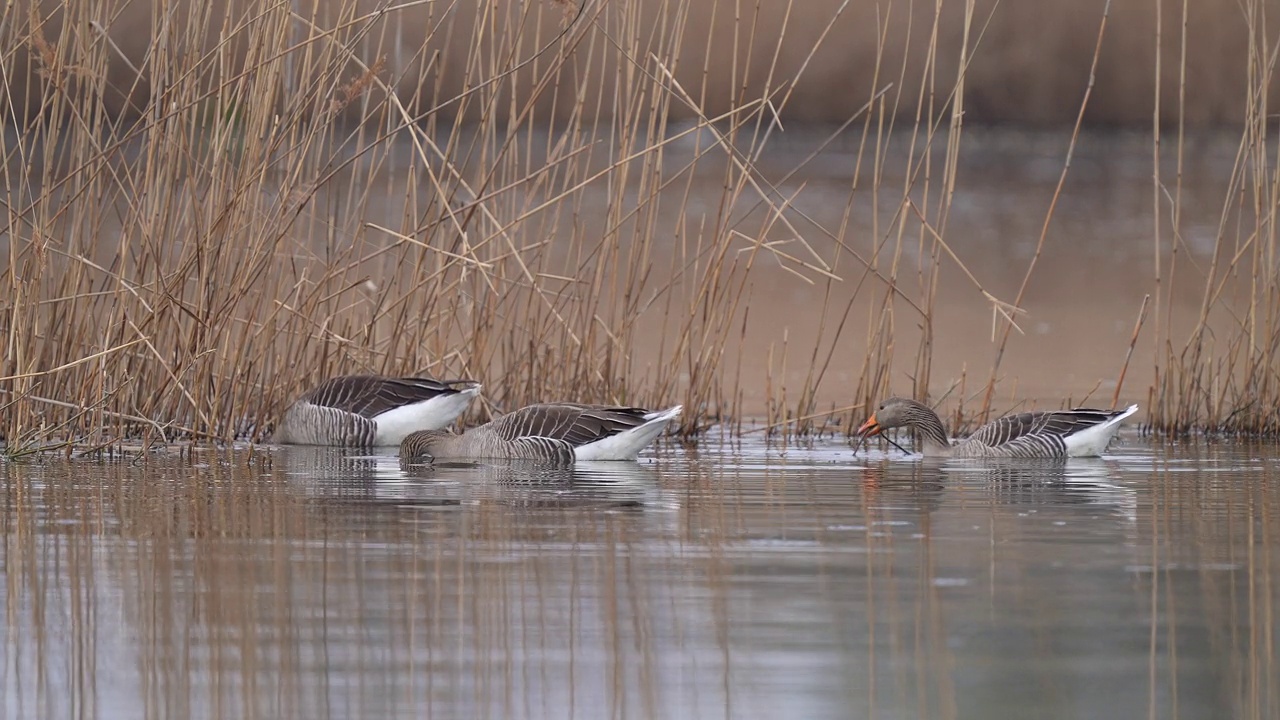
[262,199]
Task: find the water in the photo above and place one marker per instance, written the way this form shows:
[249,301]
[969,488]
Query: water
[739,581]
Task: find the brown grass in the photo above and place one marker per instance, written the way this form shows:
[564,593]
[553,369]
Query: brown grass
[1225,376]
[197,232]
[268,210]
[1031,68]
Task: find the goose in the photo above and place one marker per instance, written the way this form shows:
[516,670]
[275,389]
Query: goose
[1082,432]
[552,432]
[372,410]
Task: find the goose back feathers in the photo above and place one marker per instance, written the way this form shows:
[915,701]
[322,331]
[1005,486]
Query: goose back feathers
[372,410]
[551,432]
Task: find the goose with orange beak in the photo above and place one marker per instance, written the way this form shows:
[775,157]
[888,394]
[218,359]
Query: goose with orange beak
[1081,432]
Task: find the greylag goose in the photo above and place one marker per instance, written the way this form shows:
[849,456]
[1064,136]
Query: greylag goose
[372,410]
[1082,432]
[552,432]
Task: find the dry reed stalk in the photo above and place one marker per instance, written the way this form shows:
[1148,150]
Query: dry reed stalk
[306,197]
[1133,341]
[1224,376]
[269,209]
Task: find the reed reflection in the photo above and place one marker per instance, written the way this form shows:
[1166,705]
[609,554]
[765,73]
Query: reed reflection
[751,583]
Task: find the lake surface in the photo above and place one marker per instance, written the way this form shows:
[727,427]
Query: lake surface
[735,581]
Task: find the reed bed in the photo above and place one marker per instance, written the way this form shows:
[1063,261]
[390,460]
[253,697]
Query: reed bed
[1225,376]
[269,210]
[271,195]
[273,208]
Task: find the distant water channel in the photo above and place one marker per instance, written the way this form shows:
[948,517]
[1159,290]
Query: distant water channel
[741,581]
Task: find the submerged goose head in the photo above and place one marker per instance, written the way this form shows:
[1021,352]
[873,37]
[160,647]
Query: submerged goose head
[421,446]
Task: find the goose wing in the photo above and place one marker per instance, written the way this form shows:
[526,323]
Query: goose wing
[576,424]
[371,395]
[1049,428]
[543,448]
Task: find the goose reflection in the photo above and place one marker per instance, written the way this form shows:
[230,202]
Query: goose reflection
[1069,481]
[333,474]
[530,483]
[1061,482]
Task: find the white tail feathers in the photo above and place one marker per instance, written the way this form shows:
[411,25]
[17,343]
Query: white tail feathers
[627,445]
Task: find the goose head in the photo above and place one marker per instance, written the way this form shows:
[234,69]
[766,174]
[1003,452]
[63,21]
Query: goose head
[419,446]
[893,413]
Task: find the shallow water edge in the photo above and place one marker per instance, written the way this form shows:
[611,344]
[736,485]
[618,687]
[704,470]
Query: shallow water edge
[740,581]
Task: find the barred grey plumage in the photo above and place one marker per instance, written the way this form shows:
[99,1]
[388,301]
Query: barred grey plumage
[368,410]
[551,432]
[1047,434]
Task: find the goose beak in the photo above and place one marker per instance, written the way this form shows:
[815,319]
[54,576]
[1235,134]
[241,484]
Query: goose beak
[870,427]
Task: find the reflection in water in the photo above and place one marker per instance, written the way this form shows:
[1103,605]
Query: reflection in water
[307,583]
[325,474]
